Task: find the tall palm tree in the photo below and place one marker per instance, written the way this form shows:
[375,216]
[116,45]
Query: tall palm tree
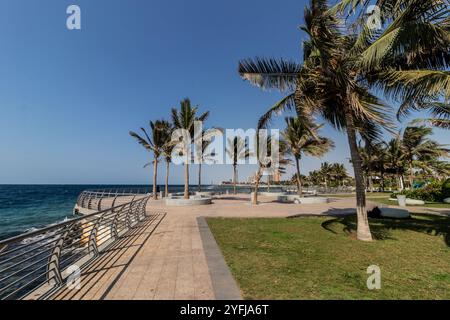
[185,119]
[167,148]
[237,150]
[407,59]
[328,84]
[301,141]
[154,143]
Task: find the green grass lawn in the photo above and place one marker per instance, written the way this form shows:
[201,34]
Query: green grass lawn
[318,257]
[393,203]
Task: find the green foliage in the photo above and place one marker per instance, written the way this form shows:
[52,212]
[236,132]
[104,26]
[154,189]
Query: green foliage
[433,192]
[446,189]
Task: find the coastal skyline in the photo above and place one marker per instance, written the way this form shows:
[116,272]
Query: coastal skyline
[69,97]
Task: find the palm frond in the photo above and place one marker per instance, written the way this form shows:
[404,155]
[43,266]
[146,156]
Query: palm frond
[287,103]
[270,73]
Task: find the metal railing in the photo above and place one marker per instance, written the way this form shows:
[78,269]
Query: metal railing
[98,199]
[35,264]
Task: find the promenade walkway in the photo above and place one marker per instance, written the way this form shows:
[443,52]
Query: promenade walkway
[173,255]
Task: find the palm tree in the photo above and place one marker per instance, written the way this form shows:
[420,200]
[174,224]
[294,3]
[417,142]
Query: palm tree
[237,150]
[185,119]
[206,142]
[408,57]
[417,146]
[301,141]
[328,84]
[167,148]
[339,173]
[395,160]
[266,166]
[315,177]
[155,144]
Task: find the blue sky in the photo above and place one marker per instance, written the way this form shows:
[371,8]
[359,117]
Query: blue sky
[69,98]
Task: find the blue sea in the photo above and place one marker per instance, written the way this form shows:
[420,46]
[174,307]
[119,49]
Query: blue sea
[27,207]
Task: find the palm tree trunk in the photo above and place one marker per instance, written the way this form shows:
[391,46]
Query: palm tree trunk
[166,191]
[255,197]
[234,178]
[401,185]
[363,229]
[186,180]
[411,175]
[200,177]
[155,175]
[370,183]
[299,180]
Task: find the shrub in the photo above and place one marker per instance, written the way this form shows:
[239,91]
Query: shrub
[433,192]
[446,189]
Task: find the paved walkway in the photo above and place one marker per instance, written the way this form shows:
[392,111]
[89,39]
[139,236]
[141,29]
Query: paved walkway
[171,257]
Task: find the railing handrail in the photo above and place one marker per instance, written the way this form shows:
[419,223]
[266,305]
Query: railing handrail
[23,236]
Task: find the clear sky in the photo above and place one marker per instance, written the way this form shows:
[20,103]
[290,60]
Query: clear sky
[69,98]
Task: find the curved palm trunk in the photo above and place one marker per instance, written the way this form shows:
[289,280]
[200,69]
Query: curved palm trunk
[166,191]
[234,178]
[200,177]
[255,197]
[155,175]
[299,180]
[186,181]
[363,229]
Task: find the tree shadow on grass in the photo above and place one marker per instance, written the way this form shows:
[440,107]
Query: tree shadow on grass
[429,224]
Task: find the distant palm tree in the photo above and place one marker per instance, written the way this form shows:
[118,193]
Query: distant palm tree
[266,166]
[339,173]
[205,156]
[417,147]
[155,144]
[184,119]
[167,148]
[395,160]
[301,140]
[237,149]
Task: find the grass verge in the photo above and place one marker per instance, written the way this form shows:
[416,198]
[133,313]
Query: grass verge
[318,257]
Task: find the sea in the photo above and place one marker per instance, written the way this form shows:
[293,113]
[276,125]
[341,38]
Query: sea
[24,208]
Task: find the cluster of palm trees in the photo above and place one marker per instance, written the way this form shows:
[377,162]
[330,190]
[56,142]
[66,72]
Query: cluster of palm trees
[349,67]
[409,155]
[329,175]
[159,141]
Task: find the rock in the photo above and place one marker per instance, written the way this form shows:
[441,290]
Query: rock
[395,213]
[414,202]
[447,200]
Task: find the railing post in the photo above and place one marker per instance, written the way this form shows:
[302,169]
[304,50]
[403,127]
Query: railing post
[53,266]
[93,246]
[114,230]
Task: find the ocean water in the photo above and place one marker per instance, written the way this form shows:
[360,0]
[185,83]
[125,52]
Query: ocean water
[27,207]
